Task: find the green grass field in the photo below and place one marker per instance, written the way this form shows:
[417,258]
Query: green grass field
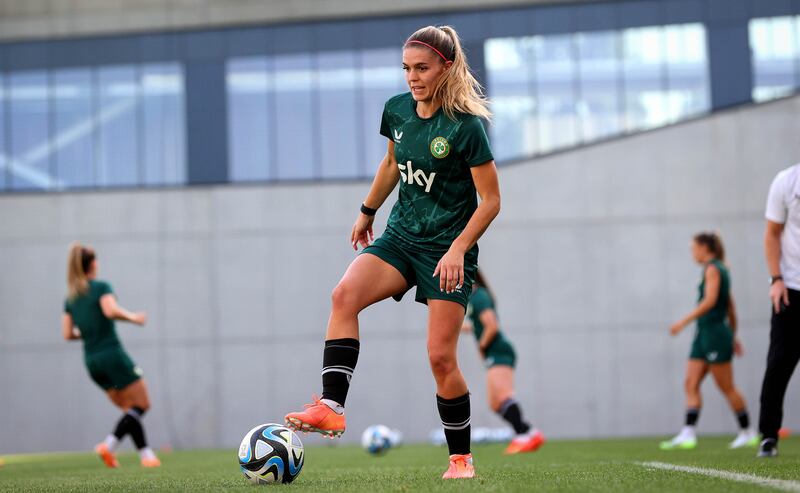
[598,465]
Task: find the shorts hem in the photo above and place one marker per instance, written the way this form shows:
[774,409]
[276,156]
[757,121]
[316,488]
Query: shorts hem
[423,298]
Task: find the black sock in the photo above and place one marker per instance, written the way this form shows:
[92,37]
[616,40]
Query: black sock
[692,414]
[338,362]
[130,423]
[455,415]
[744,419]
[511,412]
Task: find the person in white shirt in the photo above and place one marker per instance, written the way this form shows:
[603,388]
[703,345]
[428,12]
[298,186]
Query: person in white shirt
[782,249]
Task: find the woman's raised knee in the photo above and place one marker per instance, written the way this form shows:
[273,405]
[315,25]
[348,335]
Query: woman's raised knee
[344,298]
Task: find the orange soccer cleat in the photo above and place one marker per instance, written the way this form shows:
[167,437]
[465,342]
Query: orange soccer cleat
[150,461]
[460,467]
[529,442]
[106,455]
[317,417]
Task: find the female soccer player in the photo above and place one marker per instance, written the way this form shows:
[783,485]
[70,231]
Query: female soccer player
[439,152]
[499,357]
[89,314]
[714,344]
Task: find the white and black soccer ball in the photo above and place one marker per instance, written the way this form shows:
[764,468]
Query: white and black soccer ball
[271,453]
[377,439]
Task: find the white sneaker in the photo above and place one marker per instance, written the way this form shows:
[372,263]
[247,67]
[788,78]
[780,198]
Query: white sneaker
[686,439]
[745,438]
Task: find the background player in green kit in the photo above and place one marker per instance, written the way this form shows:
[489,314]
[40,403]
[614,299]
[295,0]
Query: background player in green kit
[439,153]
[714,344]
[89,314]
[499,356]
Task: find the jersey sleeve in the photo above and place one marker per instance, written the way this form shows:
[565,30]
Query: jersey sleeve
[473,143]
[103,288]
[386,131]
[776,200]
[66,307]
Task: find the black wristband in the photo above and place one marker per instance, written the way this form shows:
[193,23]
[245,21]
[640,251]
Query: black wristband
[775,279]
[368,211]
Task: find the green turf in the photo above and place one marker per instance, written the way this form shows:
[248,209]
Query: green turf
[598,465]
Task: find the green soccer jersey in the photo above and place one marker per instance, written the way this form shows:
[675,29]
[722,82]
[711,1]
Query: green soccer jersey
[478,302]
[97,331]
[437,195]
[719,311]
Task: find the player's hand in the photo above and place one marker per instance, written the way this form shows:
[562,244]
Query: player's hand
[779,295]
[450,270]
[738,349]
[139,318]
[676,328]
[362,231]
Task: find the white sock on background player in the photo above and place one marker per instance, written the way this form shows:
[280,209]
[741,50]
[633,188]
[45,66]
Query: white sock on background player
[111,442]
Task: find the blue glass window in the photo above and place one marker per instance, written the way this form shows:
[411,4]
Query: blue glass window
[4,160]
[29,146]
[80,127]
[510,80]
[381,78]
[74,125]
[163,130]
[556,91]
[687,71]
[338,109]
[599,106]
[294,112]
[556,74]
[250,119]
[644,76]
[118,122]
[307,116]
[775,47]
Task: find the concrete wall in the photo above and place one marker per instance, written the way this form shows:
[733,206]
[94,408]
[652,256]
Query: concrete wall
[37,19]
[589,260]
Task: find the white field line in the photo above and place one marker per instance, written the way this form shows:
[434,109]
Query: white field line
[778,484]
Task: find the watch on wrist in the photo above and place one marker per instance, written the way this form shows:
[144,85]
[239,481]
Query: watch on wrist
[774,279]
[368,211]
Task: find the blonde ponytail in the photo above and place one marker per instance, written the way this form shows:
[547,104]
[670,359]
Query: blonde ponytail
[78,262]
[457,89]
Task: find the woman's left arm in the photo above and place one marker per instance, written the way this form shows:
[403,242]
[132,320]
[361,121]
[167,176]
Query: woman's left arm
[451,265]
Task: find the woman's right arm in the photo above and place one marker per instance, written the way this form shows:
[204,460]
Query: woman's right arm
[112,310]
[710,296]
[382,185]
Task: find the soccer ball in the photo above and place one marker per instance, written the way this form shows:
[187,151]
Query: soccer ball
[271,453]
[377,439]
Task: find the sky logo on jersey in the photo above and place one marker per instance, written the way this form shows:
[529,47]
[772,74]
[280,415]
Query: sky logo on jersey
[440,148]
[419,177]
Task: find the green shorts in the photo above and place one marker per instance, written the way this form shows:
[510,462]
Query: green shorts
[500,353]
[417,268]
[713,344]
[112,368]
